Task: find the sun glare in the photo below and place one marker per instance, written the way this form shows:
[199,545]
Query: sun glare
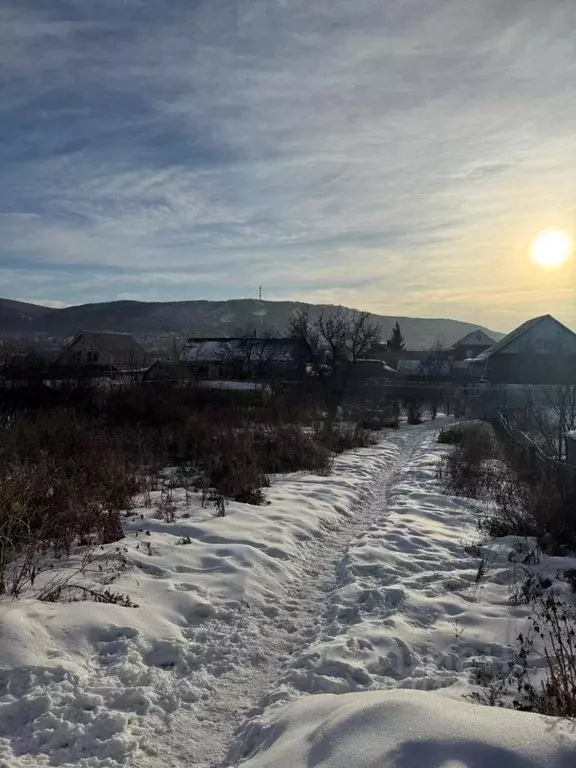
[551,249]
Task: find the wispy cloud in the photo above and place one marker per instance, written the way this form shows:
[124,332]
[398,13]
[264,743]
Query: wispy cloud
[396,156]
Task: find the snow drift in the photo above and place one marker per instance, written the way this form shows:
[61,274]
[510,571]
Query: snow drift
[405,729]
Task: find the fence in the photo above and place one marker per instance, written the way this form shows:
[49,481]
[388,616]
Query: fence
[571,449]
[533,465]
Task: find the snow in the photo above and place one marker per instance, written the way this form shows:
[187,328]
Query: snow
[407,729]
[205,351]
[363,584]
[409,609]
[418,604]
[92,684]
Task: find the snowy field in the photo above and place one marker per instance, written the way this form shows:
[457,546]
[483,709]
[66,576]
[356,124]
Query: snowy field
[365,583]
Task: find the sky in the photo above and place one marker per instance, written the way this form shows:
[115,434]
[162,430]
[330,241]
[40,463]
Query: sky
[392,155]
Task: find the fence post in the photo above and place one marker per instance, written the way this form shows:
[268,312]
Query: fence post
[571,449]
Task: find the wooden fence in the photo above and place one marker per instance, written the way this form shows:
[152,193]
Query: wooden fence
[533,465]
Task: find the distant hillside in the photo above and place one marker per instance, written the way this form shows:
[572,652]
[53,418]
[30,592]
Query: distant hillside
[148,320]
[20,316]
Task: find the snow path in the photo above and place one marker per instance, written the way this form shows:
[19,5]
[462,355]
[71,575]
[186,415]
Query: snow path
[258,642]
[416,603]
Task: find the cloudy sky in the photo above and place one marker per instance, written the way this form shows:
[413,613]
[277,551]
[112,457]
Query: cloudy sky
[394,155]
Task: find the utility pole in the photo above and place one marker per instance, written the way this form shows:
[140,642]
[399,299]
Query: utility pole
[260,293]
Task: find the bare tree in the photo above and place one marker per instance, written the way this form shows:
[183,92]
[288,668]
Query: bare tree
[252,356]
[548,415]
[434,370]
[333,345]
[436,364]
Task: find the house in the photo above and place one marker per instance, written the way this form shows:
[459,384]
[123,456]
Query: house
[540,351]
[473,344]
[243,358]
[96,351]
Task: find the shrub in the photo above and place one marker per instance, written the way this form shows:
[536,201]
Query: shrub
[532,505]
[451,435]
[377,421]
[285,449]
[554,627]
[63,480]
[470,469]
[414,412]
[552,638]
[344,437]
[467,431]
[66,473]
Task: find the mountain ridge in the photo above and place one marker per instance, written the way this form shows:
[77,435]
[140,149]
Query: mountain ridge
[205,317]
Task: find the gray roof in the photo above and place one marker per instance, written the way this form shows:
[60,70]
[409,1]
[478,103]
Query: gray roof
[516,334]
[118,348]
[474,337]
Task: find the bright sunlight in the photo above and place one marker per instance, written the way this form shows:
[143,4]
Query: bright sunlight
[551,249]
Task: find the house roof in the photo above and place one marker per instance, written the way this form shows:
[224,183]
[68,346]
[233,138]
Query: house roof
[474,337]
[517,333]
[119,348]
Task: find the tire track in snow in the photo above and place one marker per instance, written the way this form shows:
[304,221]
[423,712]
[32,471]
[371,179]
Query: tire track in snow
[262,642]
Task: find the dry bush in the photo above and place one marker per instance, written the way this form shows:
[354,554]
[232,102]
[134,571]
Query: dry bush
[63,481]
[554,629]
[235,468]
[533,503]
[457,433]
[376,420]
[471,469]
[344,437]
[414,413]
[290,448]
[235,461]
[66,473]
[527,510]
[552,639]
[527,501]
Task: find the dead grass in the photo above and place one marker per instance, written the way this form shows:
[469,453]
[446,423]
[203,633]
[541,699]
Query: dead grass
[551,638]
[63,481]
[469,469]
[66,473]
[528,502]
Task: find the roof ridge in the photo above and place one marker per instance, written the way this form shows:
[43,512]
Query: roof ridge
[109,333]
[517,332]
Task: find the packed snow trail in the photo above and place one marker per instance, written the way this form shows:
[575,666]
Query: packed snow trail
[257,641]
[418,603]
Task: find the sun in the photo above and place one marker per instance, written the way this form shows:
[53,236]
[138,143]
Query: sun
[551,248]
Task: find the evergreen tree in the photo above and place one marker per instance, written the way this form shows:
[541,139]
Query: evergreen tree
[396,340]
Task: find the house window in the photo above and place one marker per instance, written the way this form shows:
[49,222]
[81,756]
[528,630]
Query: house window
[544,344]
[92,357]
